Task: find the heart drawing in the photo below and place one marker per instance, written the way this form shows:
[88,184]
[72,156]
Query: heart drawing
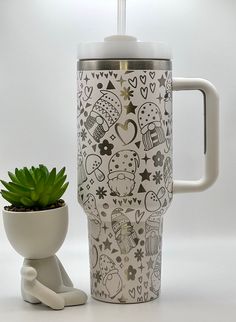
[126,132]
[144,92]
[88,92]
[152,87]
[133,82]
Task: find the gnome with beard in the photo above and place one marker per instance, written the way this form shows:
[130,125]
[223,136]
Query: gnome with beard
[168,96]
[122,168]
[105,112]
[110,276]
[156,275]
[125,234]
[168,111]
[91,210]
[149,117]
[80,170]
[168,176]
[153,234]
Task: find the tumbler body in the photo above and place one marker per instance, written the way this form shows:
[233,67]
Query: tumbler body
[125,172]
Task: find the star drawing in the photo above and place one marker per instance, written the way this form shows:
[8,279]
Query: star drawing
[130,108]
[145,175]
[107,244]
[162,81]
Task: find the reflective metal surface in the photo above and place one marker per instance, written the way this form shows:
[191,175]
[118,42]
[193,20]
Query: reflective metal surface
[124,64]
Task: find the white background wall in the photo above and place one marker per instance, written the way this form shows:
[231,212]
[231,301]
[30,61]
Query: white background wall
[38,40]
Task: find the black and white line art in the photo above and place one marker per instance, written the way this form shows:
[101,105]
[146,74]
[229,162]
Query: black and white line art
[93,163]
[153,200]
[125,178]
[156,276]
[127,131]
[105,112]
[110,276]
[149,117]
[91,210]
[125,234]
[122,168]
[152,234]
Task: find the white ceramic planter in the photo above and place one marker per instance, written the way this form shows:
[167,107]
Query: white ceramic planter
[37,236]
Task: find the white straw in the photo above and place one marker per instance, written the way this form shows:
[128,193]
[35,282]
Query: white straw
[121,17]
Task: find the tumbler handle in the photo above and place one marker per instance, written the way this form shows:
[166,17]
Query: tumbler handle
[211,134]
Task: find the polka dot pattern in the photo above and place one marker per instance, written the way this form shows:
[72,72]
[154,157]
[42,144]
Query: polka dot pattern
[124,161]
[148,113]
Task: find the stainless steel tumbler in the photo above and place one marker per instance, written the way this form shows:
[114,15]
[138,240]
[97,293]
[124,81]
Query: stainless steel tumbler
[125,165]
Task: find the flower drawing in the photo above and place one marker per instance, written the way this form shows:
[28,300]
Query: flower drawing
[127,93]
[139,254]
[130,273]
[157,177]
[105,147]
[158,159]
[83,135]
[101,193]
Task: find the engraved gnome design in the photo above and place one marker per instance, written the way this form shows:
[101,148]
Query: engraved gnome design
[93,215]
[125,234]
[168,176]
[122,167]
[82,177]
[168,96]
[110,276]
[105,112]
[156,276]
[168,111]
[153,234]
[149,117]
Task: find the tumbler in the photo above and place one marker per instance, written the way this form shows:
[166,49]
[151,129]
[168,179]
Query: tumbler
[125,164]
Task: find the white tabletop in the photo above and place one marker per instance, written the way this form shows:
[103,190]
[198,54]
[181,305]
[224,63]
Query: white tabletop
[198,285]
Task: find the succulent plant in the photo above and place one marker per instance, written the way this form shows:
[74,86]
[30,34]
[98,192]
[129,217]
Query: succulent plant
[34,187]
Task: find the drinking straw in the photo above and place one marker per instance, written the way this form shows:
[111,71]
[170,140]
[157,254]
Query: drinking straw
[121,17]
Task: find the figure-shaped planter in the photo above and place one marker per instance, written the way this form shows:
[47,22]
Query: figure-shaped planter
[36,224]
[37,236]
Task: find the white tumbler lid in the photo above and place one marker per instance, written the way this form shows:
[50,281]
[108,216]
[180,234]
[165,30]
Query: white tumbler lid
[122,47]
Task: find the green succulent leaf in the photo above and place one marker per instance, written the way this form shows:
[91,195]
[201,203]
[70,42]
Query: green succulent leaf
[26,201]
[58,194]
[13,177]
[11,197]
[20,187]
[16,188]
[43,201]
[61,173]
[45,169]
[40,185]
[20,176]
[51,177]
[59,183]
[34,196]
[50,181]
[37,175]
[32,172]
[34,187]
[6,185]
[29,177]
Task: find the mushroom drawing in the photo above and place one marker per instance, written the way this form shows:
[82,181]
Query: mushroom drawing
[93,162]
[152,200]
